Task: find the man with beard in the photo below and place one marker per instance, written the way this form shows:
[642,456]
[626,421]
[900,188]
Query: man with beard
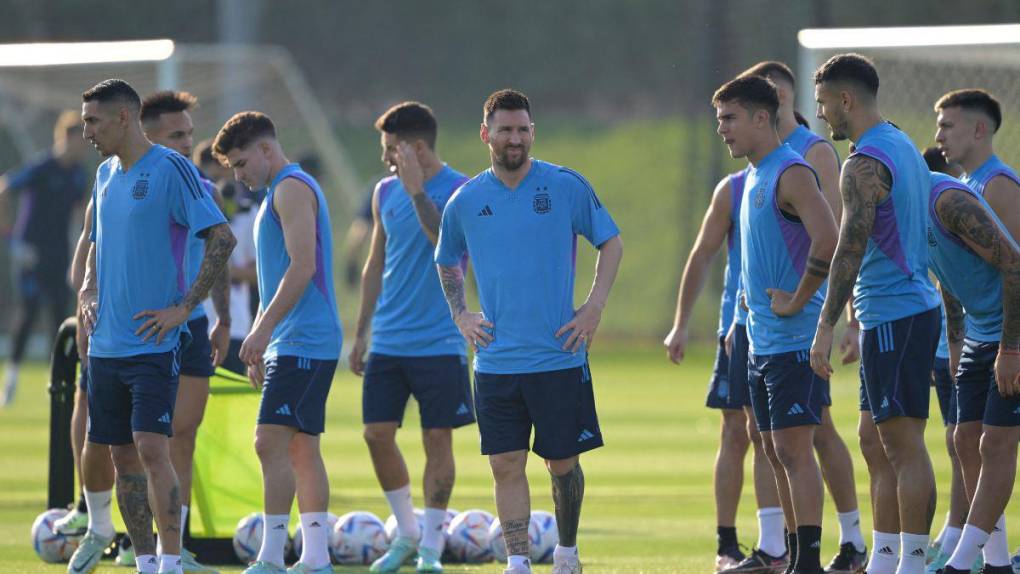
[518,222]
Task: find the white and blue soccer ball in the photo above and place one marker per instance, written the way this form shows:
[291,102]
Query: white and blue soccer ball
[331,520]
[450,515]
[248,537]
[358,538]
[542,536]
[467,537]
[48,546]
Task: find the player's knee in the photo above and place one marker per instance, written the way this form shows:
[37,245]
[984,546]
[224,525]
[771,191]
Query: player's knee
[151,452]
[998,448]
[269,446]
[788,454]
[507,467]
[379,436]
[124,457]
[437,441]
[734,432]
[965,438]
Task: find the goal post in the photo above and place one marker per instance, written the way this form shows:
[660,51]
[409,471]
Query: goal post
[917,65]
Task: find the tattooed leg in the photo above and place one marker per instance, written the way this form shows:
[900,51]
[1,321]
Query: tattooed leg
[164,490]
[513,499]
[515,535]
[133,498]
[568,493]
[440,469]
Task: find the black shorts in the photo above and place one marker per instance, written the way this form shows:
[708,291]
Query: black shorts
[725,392]
[196,358]
[131,394]
[978,395]
[440,384]
[560,405]
[785,392]
[945,391]
[897,358]
[295,392]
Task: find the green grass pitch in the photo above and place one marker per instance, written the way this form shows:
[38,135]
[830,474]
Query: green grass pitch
[649,502]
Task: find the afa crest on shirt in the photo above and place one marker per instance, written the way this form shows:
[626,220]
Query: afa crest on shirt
[141,187]
[759,196]
[931,237]
[542,203]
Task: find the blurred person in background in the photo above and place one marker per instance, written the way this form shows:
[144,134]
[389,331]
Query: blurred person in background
[48,191]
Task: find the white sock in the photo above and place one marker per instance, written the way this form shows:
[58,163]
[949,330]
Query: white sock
[518,562]
[433,535]
[100,519]
[169,563]
[950,538]
[770,531]
[850,529]
[885,552]
[942,533]
[274,538]
[315,546]
[969,547]
[996,550]
[913,549]
[147,564]
[403,509]
[565,554]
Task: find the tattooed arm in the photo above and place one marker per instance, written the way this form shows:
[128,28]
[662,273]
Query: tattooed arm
[413,178]
[863,184]
[963,215]
[471,325]
[798,194]
[954,328]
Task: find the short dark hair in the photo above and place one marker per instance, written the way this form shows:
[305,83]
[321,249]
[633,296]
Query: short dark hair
[203,153]
[412,120]
[239,131]
[772,70]
[113,90]
[166,102]
[510,100]
[935,160]
[753,93]
[852,68]
[801,120]
[974,99]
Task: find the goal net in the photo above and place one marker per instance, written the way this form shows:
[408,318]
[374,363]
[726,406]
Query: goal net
[917,65]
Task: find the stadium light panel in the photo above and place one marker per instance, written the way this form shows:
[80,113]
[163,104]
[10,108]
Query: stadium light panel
[833,38]
[67,53]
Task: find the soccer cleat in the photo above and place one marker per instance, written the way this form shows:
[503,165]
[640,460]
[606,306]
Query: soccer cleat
[848,561]
[760,563]
[125,553]
[263,567]
[934,549]
[428,561]
[190,564]
[728,558]
[989,569]
[400,551]
[517,571]
[74,523]
[938,563]
[90,550]
[573,567]
[302,568]
[1015,562]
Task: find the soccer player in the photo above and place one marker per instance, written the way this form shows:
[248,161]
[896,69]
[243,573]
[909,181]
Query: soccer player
[134,302]
[48,191]
[294,344]
[415,346]
[967,122]
[240,210]
[945,390]
[166,120]
[730,397]
[833,454]
[882,248]
[787,236]
[978,267]
[518,222]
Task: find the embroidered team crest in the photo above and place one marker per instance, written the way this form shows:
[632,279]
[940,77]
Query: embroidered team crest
[931,237]
[542,203]
[759,196]
[141,188]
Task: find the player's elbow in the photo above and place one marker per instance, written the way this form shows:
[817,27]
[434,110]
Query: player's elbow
[303,268]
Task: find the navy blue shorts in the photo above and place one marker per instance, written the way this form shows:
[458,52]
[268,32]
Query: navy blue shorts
[898,357]
[131,394]
[737,372]
[196,358]
[785,392]
[945,391]
[559,404]
[440,384]
[295,392]
[978,395]
[724,392]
